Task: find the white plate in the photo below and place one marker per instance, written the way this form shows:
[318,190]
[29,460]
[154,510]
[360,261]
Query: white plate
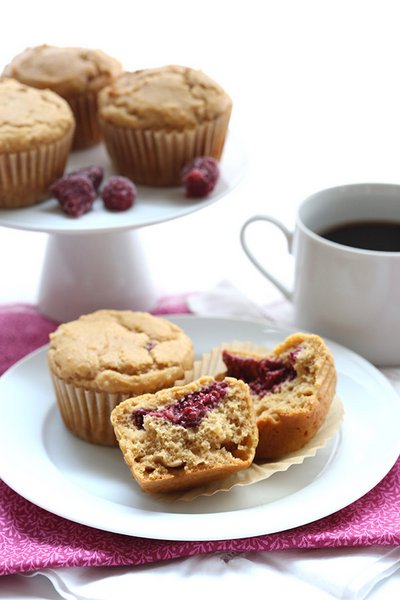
[153,205]
[87,484]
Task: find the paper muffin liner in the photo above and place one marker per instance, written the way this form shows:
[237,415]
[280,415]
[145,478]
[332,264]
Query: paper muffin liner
[25,176]
[156,158]
[87,131]
[211,363]
[86,413]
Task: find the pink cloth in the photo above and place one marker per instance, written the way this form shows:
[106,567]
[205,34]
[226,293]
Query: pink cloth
[32,538]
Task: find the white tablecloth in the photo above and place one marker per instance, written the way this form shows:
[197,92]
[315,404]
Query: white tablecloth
[372,573]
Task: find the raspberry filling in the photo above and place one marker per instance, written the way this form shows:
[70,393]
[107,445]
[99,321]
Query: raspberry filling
[189,410]
[262,376]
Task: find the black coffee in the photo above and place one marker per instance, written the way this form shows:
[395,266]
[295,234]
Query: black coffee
[369,235]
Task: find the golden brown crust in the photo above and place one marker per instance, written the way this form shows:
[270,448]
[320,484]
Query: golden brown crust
[76,74]
[170,98]
[120,352]
[164,457]
[31,118]
[155,121]
[289,416]
[69,72]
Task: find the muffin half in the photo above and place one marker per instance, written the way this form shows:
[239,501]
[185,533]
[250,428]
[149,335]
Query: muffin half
[188,435]
[292,389]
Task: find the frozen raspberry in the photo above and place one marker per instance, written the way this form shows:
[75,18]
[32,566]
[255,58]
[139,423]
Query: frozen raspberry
[200,176]
[75,193]
[119,193]
[94,173]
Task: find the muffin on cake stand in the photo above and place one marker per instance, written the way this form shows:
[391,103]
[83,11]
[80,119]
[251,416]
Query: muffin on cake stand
[97,260]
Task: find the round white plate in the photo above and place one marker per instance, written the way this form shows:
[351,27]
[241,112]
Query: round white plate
[153,205]
[91,485]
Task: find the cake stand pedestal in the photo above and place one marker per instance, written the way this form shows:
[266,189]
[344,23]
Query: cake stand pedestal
[82,273]
[97,261]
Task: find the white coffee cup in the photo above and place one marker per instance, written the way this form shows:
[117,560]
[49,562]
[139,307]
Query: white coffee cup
[348,294]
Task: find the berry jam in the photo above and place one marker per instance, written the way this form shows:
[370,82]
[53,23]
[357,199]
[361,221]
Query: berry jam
[189,410]
[262,376]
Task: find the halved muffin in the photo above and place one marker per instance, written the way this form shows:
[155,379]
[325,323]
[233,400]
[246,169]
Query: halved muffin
[188,435]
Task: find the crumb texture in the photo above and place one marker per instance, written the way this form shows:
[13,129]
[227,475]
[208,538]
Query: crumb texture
[165,456]
[290,412]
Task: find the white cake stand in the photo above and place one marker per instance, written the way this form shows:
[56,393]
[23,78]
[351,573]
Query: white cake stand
[97,260]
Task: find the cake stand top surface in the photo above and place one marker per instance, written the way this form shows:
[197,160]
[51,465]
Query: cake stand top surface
[153,205]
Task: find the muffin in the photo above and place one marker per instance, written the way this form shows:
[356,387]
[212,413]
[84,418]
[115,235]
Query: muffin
[107,356]
[292,389]
[76,74]
[187,435]
[36,131]
[154,121]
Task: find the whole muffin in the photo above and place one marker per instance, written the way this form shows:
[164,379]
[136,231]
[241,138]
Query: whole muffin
[107,356]
[154,121]
[36,131]
[76,74]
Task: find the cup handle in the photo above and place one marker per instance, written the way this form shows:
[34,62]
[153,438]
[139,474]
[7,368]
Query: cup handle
[289,238]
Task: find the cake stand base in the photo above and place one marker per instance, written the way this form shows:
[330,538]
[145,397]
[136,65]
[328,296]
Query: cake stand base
[82,273]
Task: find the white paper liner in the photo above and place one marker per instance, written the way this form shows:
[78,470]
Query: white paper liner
[86,413]
[157,157]
[25,176]
[212,364]
[87,131]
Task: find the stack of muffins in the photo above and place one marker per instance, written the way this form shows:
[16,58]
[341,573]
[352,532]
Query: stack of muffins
[153,121]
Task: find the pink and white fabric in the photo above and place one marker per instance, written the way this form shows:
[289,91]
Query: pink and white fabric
[32,538]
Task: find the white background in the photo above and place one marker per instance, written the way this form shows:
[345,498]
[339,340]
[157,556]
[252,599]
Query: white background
[315,86]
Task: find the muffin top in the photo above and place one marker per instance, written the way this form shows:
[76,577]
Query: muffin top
[30,117]
[120,352]
[166,98]
[67,71]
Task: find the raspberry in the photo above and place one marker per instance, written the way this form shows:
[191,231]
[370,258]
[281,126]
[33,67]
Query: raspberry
[75,193]
[200,176]
[94,173]
[189,410]
[263,375]
[119,193]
